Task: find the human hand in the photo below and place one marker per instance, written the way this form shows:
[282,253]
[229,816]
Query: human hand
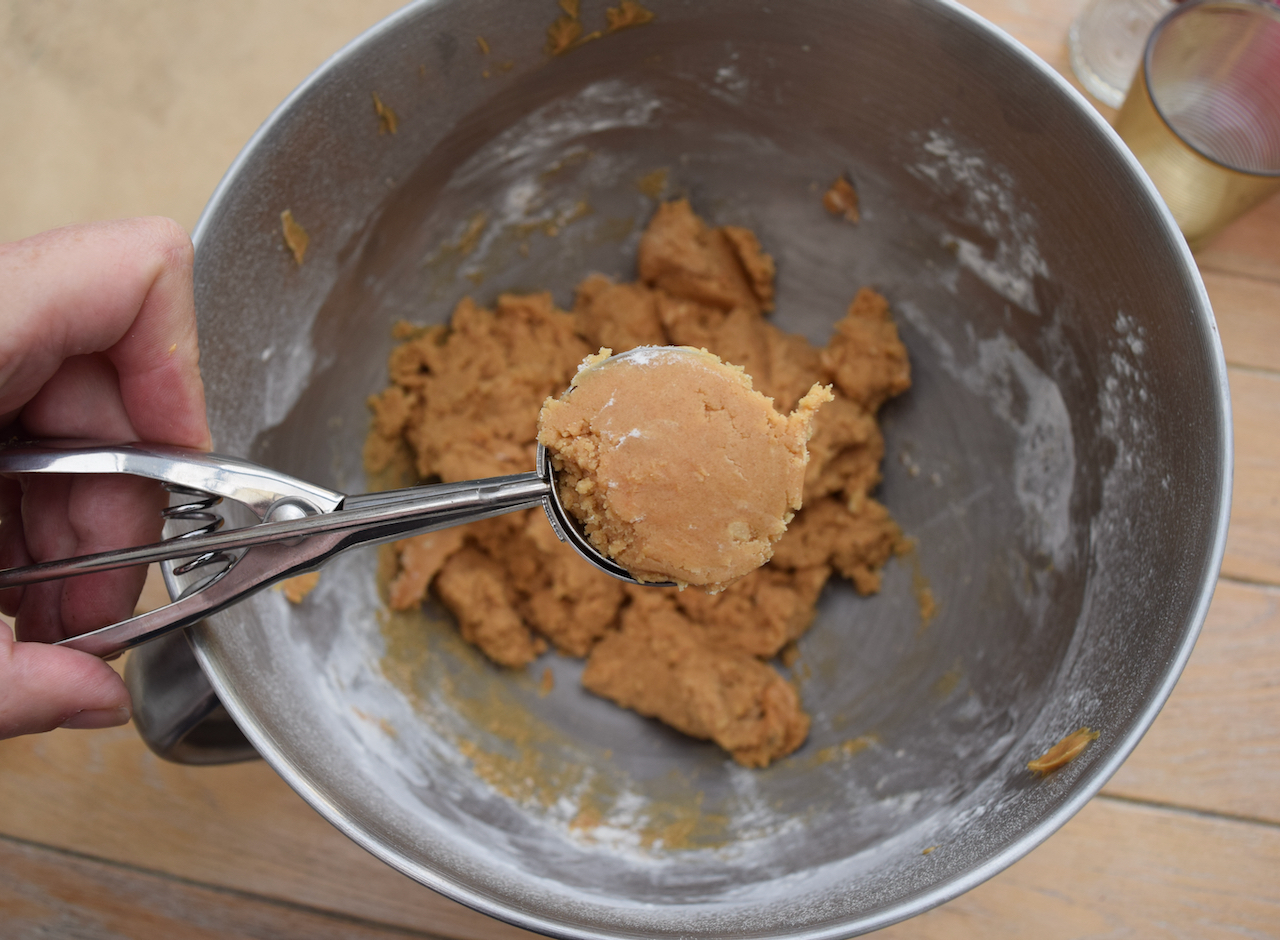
[97,340]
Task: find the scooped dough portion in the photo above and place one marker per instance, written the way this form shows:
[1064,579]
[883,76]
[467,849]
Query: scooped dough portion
[676,467]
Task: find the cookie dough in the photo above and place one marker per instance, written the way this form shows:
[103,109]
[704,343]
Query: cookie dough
[676,467]
[1063,753]
[658,663]
[464,401]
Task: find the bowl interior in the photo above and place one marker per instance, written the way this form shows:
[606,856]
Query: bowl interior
[1061,460]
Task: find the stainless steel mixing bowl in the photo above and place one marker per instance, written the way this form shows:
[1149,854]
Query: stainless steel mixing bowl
[1063,458]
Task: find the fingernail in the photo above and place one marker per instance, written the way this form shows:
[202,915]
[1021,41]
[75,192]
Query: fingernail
[98,718]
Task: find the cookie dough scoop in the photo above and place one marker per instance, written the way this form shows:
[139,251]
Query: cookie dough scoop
[291,527]
[674,466]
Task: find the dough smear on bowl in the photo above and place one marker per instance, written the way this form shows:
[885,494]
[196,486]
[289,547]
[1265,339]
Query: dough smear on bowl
[464,401]
[675,466]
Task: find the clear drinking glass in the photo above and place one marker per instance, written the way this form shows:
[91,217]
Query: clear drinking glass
[1106,41]
[1203,114]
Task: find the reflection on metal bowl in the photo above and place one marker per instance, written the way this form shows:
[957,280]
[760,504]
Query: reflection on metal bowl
[1063,459]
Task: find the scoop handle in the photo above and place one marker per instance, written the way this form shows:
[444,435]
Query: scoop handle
[379,517]
[284,549]
[305,525]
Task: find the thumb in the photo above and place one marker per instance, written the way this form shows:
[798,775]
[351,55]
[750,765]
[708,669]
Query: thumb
[43,687]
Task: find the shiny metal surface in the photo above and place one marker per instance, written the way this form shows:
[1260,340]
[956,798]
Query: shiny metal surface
[257,487]
[175,709]
[265,493]
[1063,460]
[370,519]
[291,532]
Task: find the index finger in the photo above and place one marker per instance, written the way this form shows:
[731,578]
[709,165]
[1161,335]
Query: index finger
[123,289]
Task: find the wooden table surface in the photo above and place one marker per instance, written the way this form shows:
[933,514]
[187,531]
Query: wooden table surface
[128,107]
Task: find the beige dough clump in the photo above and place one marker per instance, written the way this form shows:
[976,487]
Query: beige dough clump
[464,401]
[676,467]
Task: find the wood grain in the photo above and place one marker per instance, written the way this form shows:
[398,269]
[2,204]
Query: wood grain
[1248,246]
[1034,24]
[237,827]
[1248,313]
[1116,866]
[1215,745]
[1118,870]
[49,894]
[1253,541]
[1214,748]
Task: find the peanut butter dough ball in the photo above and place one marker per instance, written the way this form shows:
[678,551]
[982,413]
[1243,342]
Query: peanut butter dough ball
[675,466]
